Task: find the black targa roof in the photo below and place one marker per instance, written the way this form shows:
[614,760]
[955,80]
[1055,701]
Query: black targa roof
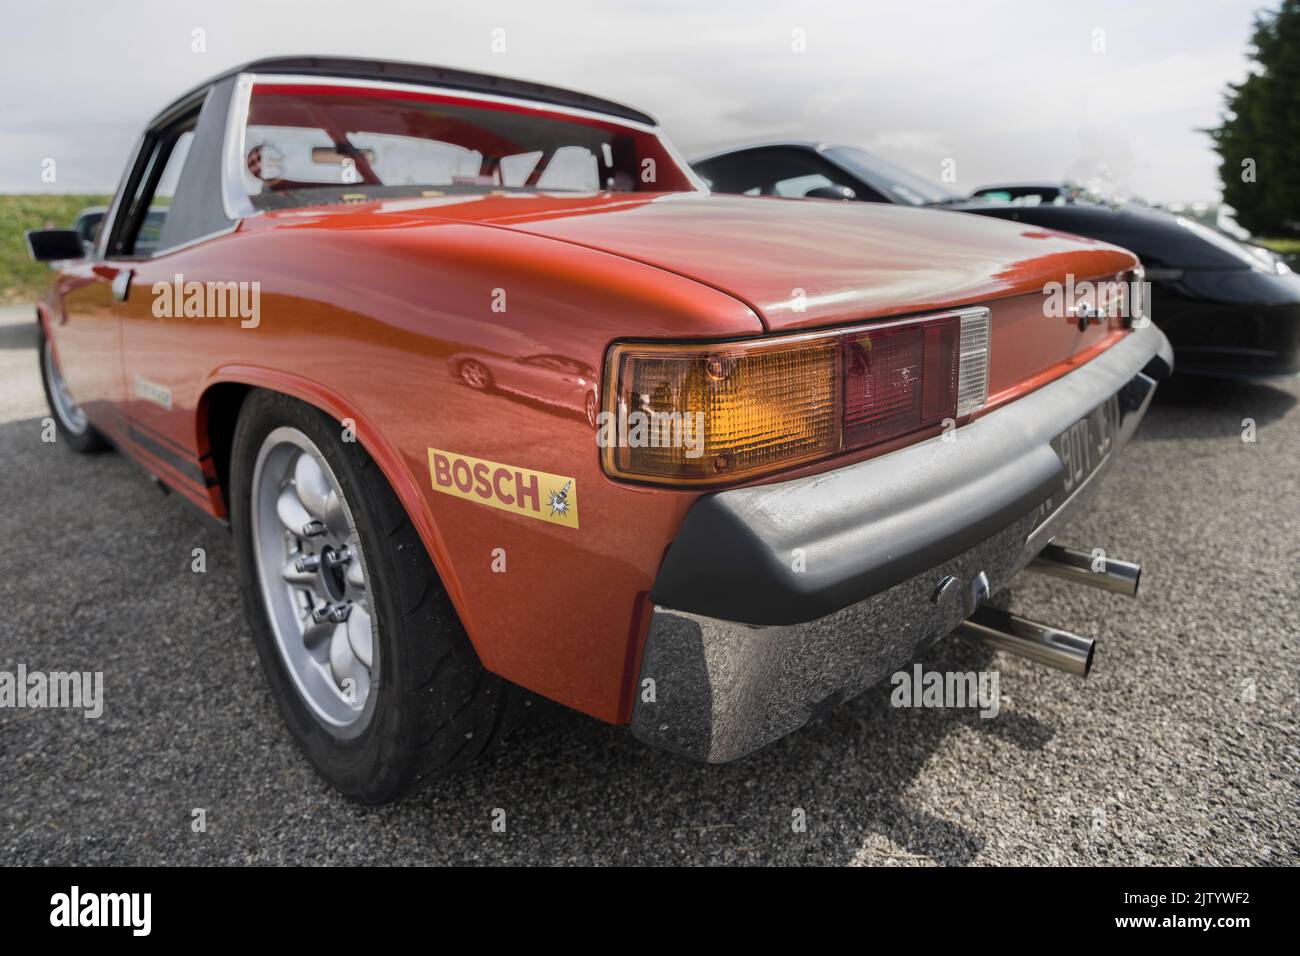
[423,74]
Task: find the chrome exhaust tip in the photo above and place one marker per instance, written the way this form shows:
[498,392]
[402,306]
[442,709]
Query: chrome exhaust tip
[1048,645]
[1081,567]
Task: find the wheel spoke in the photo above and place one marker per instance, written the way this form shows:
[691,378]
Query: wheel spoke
[344,665]
[313,635]
[292,514]
[313,487]
[360,638]
[335,517]
[356,577]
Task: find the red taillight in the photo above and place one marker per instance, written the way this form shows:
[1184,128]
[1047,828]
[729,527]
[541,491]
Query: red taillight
[899,379]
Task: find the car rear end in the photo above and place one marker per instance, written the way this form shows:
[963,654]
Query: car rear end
[875,483]
[872,424]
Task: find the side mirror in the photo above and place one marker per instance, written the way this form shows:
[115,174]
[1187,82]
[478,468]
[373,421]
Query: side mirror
[830,192]
[52,245]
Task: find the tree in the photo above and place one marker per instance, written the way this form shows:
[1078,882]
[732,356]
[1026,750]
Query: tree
[1259,141]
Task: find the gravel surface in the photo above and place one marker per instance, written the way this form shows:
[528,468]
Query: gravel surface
[1181,748]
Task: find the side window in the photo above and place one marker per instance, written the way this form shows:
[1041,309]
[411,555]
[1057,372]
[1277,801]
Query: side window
[773,171]
[736,174]
[151,201]
[160,203]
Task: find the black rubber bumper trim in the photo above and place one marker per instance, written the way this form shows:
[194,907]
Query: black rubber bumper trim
[861,529]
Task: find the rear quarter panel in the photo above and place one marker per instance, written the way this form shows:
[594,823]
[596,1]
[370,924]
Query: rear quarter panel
[361,321]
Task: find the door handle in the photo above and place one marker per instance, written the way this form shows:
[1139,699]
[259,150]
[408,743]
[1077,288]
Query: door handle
[122,284]
[119,276]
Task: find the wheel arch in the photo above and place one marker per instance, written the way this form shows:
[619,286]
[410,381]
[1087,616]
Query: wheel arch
[218,411]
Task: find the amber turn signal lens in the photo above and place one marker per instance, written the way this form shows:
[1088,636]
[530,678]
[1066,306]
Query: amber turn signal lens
[712,413]
[717,413]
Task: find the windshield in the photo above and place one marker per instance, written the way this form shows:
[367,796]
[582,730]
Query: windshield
[311,143]
[894,181]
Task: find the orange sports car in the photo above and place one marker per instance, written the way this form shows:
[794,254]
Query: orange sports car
[722,460]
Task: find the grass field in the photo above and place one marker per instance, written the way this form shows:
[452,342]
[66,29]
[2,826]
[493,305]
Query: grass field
[1285,246]
[22,280]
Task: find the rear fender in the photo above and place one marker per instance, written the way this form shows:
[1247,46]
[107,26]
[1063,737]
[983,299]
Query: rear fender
[370,438]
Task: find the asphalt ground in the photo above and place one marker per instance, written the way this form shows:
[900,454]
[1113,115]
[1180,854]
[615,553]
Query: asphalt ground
[1181,748]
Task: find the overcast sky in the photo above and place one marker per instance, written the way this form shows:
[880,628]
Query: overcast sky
[1007,90]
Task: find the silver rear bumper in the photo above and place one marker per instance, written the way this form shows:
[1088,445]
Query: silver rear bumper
[725,685]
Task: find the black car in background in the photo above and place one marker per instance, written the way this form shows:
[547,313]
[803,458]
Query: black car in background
[1230,310]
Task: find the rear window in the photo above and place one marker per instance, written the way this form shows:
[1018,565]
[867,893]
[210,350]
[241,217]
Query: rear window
[306,144]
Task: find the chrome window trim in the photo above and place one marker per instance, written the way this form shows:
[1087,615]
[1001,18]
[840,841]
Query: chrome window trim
[179,247]
[683,166]
[234,198]
[110,216]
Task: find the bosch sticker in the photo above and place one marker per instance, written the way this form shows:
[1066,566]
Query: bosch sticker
[534,494]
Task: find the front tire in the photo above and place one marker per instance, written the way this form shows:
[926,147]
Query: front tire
[70,422]
[380,686]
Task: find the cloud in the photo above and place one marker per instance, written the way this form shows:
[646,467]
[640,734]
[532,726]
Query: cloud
[1008,89]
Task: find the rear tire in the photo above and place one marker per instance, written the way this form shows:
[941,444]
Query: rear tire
[429,706]
[70,422]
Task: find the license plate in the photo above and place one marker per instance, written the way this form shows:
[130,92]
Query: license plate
[1082,448]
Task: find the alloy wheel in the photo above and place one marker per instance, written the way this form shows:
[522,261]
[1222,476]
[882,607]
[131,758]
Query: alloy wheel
[65,406]
[313,578]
